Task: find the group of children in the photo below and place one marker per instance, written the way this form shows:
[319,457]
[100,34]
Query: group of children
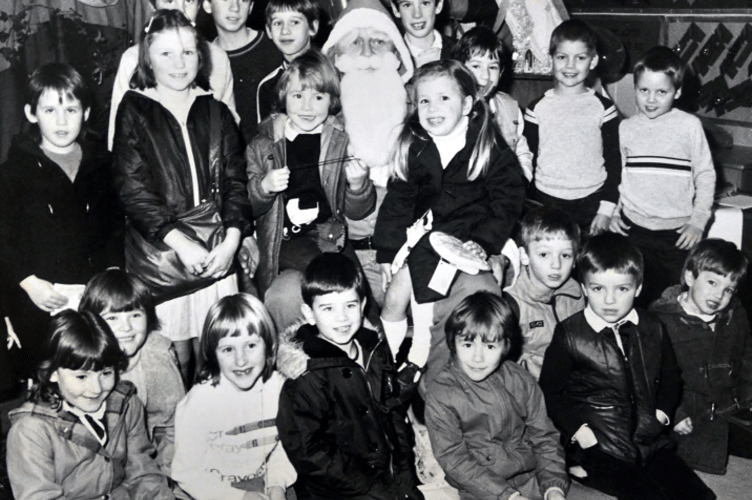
[559,376]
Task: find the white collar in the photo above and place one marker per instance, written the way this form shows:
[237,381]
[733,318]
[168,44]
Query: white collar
[291,134]
[436,45]
[683,298]
[452,143]
[597,323]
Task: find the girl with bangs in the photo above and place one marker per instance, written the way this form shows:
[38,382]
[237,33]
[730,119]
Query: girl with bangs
[81,435]
[126,304]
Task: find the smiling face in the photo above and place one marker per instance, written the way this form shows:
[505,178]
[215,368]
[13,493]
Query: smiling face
[241,359]
[130,329]
[229,16]
[486,70]
[550,261]
[84,389]
[187,7]
[709,292]
[441,104]
[479,358]
[290,32]
[655,93]
[572,62]
[610,294]
[418,17]
[60,118]
[174,59]
[307,108]
[337,315]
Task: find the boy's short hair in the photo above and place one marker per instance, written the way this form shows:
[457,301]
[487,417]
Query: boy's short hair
[308,8]
[479,41]
[661,59]
[315,71]
[332,273]
[573,30]
[611,252]
[397,2]
[717,256]
[546,222]
[488,316]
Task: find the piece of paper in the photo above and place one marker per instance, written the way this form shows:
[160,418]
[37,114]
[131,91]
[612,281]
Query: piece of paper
[728,223]
[74,294]
[442,277]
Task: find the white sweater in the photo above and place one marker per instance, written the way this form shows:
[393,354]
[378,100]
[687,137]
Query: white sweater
[224,435]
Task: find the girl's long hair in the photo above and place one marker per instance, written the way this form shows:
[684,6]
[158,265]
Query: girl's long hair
[412,129]
[76,341]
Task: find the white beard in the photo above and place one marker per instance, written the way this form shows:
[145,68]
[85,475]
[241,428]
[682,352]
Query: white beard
[374,103]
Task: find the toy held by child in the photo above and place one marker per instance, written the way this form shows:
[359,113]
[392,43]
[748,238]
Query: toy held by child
[342,410]
[451,161]
[481,50]
[226,442]
[82,434]
[60,222]
[611,384]
[668,178]
[711,336]
[127,306]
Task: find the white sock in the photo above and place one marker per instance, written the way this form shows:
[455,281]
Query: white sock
[395,332]
[422,322]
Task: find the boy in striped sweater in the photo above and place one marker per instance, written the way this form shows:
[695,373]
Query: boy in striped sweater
[668,178]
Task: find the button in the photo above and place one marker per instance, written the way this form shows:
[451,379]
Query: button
[347,372]
[363,410]
[372,447]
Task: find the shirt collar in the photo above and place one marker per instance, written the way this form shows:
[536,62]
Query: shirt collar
[436,45]
[682,300]
[598,324]
[291,133]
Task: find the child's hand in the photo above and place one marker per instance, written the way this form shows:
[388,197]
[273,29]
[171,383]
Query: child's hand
[42,294]
[249,256]
[690,236]
[475,249]
[218,261]
[617,225]
[255,495]
[600,224]
[190,253]
[555,495]
[684,427]
[276,180]
[276,493]
[386,276]
[356,172]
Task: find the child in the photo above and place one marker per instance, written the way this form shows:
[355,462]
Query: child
[341,413]
[574,134]
[710,332]
[300,179]
[128,308]
[611,384]
[60,222]
[483,53]
[418,18]
[291,24]
[668,179]
[252,55]
[164,168]
[485,415]
[545,293]
[82,433]
[226,443]
[450,160]
[220,76]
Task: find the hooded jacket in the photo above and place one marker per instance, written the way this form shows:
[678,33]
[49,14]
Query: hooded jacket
[266,152]
[716,368]
[344,426]
[52,455]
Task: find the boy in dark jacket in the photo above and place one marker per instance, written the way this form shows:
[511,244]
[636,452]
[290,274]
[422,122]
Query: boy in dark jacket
[342,412]
[611,384]
[710,333]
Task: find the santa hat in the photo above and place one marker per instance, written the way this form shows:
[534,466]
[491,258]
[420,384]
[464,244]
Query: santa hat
[370,14]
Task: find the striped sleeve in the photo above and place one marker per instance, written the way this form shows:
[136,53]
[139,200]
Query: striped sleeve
[611,155]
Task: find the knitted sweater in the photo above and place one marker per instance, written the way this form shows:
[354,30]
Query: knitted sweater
[575,140]
[668,178]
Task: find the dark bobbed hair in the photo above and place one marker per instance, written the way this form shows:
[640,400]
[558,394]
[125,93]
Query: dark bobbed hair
[163,20]
[487,316]
[661,59]
[60,78]
[479,41]
[309,8]
[76,341]
[717,256]
[547,222]
[412,129]
[332,273]
[573,30]
[315,71]
[119,291]
[611,252]
[233,316]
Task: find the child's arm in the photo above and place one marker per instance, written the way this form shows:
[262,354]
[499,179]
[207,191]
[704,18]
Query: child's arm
[360,195]
[703,176]
[396,214]
[302,419]
[531,132]
[611,157]
[522,149]
[668,393]
[280,474]
[265,181]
